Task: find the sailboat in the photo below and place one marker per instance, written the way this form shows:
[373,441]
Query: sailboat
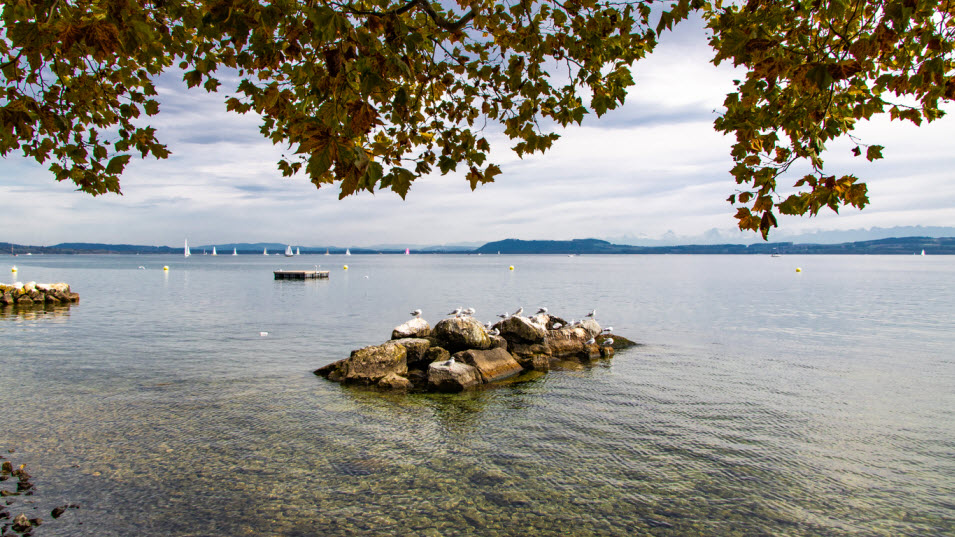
[326,251]
[297,252]
[265,251]
[235,252]
[923,252]
[185,252]
[288,251]
[407,251]
[214,251]
[347,251]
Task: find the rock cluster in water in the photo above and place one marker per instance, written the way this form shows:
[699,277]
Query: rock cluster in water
[33,294]
[460,353]
[19,524]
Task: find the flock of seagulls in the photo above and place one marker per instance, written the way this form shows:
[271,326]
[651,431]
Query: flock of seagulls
[469,312]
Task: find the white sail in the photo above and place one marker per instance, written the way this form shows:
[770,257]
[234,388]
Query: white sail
[235,252]
[297,252]
[214,251]
[288,251]
[185,251]
[265,251]
[407,251]
[326,251]
[347,251]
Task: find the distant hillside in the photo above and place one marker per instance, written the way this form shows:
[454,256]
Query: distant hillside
[893,246]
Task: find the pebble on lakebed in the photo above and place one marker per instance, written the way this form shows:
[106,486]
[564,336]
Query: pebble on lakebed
[460,353]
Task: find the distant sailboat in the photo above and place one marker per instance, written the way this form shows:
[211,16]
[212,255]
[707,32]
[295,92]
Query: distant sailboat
[923,252]
[214,251]
[265,251]
[407,251]
[185,252]
[347,251]
[235,252]
[296,251]
[288,251]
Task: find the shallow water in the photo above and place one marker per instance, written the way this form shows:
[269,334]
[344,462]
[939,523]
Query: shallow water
[761,400]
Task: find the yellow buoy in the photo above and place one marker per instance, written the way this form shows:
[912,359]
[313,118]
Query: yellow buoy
[166,267]
[14,269]
[345,267]
[798,269]
[510,267]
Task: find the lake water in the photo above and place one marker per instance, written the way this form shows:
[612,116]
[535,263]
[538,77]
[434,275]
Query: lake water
[761,401]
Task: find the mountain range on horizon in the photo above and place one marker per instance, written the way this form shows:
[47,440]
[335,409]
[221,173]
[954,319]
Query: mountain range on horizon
[887,246]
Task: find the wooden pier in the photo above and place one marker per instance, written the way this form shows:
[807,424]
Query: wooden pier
[300,274]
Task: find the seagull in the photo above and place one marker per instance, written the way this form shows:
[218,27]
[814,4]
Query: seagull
[450,362]
[456,312]
[607,342]
[504,315]
[142,267]
[518,312]
[416,313]
[488,325]
[556,326]
[591,341]
[542,310]
[592,314]
[469,312]
[494,332]
[608,329]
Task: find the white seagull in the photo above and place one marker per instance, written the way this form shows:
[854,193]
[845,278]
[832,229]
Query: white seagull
[456,312]
[518,312]
[592,314]
[591,341]
[416,313]
[450,362]
[607,342]
[469,312]
[556,326]
[494,332]
[542,310]
[608,329]
[504,315]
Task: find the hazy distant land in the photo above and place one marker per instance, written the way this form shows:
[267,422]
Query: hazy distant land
[888,246]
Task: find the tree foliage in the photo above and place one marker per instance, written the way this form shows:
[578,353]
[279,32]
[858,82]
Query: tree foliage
[371,94]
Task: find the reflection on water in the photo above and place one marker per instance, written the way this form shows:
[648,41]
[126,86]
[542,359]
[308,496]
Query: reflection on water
[39,311]
[167,414]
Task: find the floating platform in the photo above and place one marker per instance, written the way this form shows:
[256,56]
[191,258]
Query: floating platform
[300,274]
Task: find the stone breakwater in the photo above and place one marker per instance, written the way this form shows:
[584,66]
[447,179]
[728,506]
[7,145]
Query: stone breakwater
[460,353]
[34,294]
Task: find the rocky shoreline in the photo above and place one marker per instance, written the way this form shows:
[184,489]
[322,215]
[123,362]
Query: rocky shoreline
[34,294]
[460,353]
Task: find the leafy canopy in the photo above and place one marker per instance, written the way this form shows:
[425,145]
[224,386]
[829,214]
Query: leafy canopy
[370,94]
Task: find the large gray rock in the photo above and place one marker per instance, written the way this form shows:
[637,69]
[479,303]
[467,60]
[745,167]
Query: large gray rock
[416,349]
[460,333]
[494,364]
[521,329]
[416,328]
[368,365]
[567,341]
[592,327]
[455,377]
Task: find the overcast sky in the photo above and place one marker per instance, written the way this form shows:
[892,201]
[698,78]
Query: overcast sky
[652,169]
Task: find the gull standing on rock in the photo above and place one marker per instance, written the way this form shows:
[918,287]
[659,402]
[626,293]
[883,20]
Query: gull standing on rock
[469,312]
[416,313]
[504,315]
[542,310]
[592,314]
[518,312]
[608,330]
[456,312]
[494,332]
[591,341]
[450,362]
[607,342]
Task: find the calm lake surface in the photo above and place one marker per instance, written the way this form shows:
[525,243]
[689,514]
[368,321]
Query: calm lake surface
[761,401]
